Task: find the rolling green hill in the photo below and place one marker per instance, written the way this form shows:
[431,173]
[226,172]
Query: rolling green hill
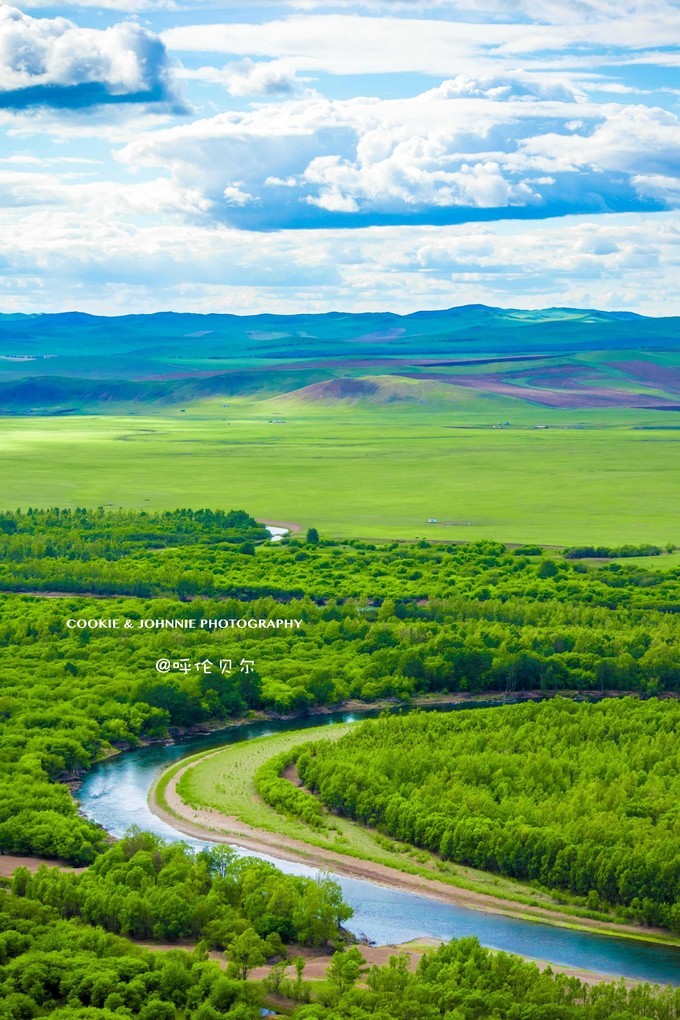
[556,358]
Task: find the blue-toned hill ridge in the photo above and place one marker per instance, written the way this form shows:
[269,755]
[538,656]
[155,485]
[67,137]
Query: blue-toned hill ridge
[73,362]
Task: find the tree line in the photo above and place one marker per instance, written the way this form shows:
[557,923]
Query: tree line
[463,981]
[576,797]
[144,888]
[180,555]
[579,552]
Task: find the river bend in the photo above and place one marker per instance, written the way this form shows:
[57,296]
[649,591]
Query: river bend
[115,792]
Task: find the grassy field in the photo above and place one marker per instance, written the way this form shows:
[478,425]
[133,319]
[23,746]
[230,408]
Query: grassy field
[224,781]
[664,562]
[368,472]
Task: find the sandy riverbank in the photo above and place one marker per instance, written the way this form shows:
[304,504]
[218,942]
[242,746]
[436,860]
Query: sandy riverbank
[316,960]
[283,524]
[207,823]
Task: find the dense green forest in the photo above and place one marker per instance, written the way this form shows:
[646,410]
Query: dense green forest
[58,967]
[463,981]
[579,797]
[62,953]
[209,553]
[391,621]
[57,948]
[145,889]
[111,534]
[52,964]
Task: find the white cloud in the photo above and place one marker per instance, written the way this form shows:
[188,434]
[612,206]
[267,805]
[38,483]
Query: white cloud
[75,193]
[511,85]
[548,11]
[658,186]
[124,6]
[542,11]
[60,258]
[629,139]
[467,144]
[249,77]
[46,54]
[614,88]
[70,128]
[201,214]
[235,196]
[351,44]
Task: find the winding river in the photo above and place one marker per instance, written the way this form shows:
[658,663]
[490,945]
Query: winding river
[115,794]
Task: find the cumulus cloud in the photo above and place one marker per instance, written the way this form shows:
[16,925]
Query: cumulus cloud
[628,139]
[249,77]
[514,141]
[59,258]
[515,85]
[53,62]
[446,155]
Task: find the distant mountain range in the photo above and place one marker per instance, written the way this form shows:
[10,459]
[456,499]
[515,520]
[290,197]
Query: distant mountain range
[556,357]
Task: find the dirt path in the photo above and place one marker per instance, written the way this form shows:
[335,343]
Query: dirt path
[208,823]
[291,774]
[10,862]
[317,960]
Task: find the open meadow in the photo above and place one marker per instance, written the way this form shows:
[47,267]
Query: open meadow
[375,472]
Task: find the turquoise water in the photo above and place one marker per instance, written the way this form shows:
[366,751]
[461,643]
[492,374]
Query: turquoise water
[114,794]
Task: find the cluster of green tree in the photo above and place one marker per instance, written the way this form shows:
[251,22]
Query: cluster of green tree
[463,981]
[581,797]
[39,817]
[284,796]
[54,966]
[601,552]
[83,534]
[68,560]
[145,889]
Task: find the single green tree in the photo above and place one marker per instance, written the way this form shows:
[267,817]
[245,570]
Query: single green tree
[219,859]
[345,969]
[299,963]
[312,536]
[247,951]
[272,982]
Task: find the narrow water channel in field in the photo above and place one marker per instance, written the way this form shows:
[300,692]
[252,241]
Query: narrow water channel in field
[115,794]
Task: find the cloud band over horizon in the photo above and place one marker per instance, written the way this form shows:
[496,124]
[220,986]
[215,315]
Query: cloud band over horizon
[328,155]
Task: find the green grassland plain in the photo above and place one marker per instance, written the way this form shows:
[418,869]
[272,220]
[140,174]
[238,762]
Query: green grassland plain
[358,470]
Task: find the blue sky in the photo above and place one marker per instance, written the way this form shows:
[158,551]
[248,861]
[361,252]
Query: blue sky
[313,155]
